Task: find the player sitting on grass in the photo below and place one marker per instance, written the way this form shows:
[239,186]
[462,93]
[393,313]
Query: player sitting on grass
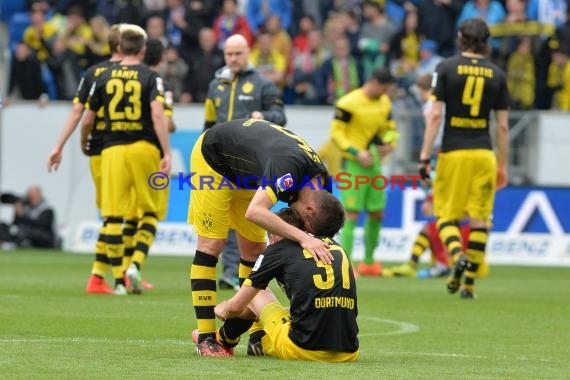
[321,323]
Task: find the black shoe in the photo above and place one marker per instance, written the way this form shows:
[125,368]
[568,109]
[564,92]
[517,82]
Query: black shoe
[454,281]
[255,348]
[228,283]
[468,294]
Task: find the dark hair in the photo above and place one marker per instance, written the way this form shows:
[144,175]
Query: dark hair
[291,216]
[154,52]
[473,35]
[329,218]
[383,76]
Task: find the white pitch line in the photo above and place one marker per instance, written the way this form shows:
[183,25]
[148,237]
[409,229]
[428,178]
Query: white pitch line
[82,340]
[402,327]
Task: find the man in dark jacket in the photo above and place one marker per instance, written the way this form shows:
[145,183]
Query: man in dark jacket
[33,224]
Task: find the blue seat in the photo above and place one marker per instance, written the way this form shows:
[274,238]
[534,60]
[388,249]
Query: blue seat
[16,27]
[11,7]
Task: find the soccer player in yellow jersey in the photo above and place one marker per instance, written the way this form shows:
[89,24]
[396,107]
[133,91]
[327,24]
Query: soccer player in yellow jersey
[135,145]
[137,247]
[468,171]
[364,130]
[92,147]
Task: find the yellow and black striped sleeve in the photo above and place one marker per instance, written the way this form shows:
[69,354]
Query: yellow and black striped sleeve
[388,134]
[339,127]
[210,113]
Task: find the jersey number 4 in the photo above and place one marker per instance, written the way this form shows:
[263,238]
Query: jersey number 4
[326,281]
[117,88]
[473,94]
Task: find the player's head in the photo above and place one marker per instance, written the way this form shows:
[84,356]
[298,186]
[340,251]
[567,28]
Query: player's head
[473,36]
[380,82]
[114,37]
[132,40]
[290,216]
[154,52]
[423,84]
[322,212]
[236,53]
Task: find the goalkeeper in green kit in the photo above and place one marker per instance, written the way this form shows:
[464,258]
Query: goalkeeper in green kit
[364,131]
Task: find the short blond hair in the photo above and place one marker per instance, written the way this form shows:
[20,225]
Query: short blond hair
[132,39]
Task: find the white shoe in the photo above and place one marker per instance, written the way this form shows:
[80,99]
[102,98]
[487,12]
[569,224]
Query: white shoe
[134,275]
[120,290]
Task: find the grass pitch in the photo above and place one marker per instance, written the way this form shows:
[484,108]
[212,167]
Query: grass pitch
[519,328]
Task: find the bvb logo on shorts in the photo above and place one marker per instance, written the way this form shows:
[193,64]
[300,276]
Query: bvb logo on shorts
[247,87]
[207,222]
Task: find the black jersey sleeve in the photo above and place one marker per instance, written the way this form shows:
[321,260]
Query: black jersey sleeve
[283,176]
[82,93]
[267,267]
[95,99]
[168,100]
[156,87]
[438,82]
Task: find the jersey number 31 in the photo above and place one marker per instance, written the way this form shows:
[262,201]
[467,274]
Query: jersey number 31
[326,281]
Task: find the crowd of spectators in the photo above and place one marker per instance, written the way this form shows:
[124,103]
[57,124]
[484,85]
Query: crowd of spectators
[314,50]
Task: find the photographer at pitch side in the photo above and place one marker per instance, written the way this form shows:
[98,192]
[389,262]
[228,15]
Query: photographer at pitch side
[34,220]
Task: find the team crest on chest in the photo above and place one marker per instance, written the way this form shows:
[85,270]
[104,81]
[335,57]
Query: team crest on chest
[247,87]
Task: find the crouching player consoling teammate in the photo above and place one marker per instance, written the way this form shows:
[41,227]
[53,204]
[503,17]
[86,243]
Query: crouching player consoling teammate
[321,322]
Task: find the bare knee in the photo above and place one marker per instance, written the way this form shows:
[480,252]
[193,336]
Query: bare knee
[262,299]
[211,246]
[250,250]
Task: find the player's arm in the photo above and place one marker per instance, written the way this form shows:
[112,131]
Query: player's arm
[210,113]
[54,158]
[267,266]
[501,107]
[430,134]
[271,105]
[161,130]
[432,129]
[433,120]
[388,135]
[237,305]
[259,212]
[341,137]
[94,102]
[169,121]
[169,111]
[502,130]
[86,128]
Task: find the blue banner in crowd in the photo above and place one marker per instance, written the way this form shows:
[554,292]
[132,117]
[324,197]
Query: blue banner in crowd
[517,209]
